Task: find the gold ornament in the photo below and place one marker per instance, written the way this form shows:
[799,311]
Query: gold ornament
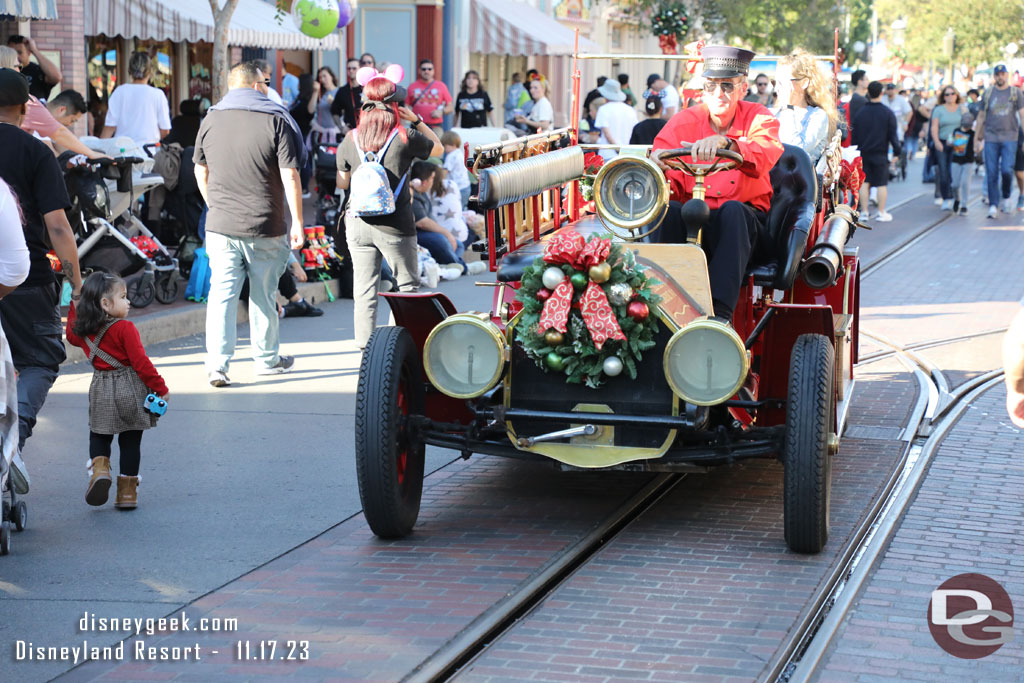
[601,272]
[553,338]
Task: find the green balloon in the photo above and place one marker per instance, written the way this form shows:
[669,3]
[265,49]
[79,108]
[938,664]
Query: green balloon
[579,280]
[316,18]
[554,361]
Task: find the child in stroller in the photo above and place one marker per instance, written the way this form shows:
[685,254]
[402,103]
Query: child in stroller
[110,236]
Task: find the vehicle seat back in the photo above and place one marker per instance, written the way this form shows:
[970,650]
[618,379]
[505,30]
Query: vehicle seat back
[794,190]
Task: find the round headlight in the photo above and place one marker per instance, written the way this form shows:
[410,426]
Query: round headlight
[706,362]
[464,355]
[630,192]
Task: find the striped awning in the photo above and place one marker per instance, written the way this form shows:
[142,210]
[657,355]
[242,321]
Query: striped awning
[506,27]
[29,9]
[252,25]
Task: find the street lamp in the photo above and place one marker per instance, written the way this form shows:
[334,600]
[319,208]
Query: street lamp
[898,27]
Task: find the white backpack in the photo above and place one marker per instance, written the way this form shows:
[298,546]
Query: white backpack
[369,189]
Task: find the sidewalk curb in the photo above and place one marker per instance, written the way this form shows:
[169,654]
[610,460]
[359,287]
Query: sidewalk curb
[177,322]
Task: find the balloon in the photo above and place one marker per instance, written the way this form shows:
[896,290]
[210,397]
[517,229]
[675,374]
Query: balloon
[318,18]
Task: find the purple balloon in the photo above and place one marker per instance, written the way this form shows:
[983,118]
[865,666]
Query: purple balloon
[344,13]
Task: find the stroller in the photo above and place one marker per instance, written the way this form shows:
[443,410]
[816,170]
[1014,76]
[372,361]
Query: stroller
[110,236]
[15,513]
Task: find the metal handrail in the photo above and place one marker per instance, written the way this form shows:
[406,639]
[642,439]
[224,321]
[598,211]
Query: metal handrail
[686,58]
[516,143]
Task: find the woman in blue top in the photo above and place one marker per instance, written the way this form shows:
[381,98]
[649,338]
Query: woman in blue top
[945,119]
[807,113]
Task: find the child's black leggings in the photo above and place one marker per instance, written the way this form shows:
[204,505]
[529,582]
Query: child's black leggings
[129,443]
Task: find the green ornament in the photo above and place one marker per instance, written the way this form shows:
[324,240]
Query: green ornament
[554,361]
[578,280]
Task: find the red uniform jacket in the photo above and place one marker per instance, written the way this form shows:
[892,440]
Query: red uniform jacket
[121,341]
[756,133]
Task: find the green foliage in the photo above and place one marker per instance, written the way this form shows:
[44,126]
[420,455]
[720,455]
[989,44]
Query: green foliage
[583,361]
[669,19]
[982,28]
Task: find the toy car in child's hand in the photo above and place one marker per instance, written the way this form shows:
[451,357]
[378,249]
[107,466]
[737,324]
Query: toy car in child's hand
[154,404]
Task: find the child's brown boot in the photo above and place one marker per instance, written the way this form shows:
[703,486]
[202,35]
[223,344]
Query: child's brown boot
[99,483]
[127,495]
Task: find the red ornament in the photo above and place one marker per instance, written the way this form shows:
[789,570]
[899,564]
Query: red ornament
[543,294]
[638,310]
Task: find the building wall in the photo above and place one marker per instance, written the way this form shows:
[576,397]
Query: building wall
[65,36]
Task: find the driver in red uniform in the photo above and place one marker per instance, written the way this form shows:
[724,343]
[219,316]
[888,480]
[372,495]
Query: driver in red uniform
[739,199]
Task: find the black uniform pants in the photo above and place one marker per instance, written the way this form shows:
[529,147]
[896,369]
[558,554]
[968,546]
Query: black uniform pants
[729,240]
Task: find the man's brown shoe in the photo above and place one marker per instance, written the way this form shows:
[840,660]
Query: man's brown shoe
[99,483]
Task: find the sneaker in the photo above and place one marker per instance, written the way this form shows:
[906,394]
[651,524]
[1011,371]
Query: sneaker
[284,364]
[963,210]
[993,211]
[387,285]
[1007,206]
[956,206]
[450,271]
[476,267]
[301,309]
[18,477]
[305,195]
[883,217]
[218,378]
[1020,202]
[938,201]
[947,204]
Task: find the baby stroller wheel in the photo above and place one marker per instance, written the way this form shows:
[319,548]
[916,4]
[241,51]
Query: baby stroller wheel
[167,287]
[141,291]
[20,516]
[5,538]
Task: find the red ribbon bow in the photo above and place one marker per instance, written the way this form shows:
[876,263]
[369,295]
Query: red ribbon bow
[568,246]
[695,49]
[851,177]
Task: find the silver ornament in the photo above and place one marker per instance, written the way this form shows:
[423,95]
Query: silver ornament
[552,277]
[612,366]
[620,294]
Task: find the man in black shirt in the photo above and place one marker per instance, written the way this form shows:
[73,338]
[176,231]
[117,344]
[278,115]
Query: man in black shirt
[346,102]
[42,76]
[874,130]
[247,158]
[30,314]
[859,80]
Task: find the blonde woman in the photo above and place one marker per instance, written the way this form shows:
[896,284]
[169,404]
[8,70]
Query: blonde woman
[807,111]
[541,116]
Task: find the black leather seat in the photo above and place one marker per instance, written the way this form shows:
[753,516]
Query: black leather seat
[794,195]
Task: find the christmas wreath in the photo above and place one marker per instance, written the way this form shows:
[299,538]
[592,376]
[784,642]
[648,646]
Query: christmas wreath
[670,20]
[586,309]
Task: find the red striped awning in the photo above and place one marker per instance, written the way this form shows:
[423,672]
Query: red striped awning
[253,23]
[29,9]
[507,27]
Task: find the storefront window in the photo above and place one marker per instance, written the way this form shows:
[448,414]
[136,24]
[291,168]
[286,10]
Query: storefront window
[200,85]
[162,73]
[102,70]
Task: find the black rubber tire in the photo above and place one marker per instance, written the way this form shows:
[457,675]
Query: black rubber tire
[5,537]
[390,377]
[809,421]
[141,291]
[20,516]
[167,287]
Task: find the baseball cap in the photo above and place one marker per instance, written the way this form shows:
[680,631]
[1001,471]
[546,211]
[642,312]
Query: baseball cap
[1000,69]
[890,86]
[13,88]
[652,78]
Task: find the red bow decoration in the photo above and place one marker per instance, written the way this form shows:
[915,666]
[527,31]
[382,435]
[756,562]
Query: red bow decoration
[667,43]
[568,246]
[695,49]
[851,177]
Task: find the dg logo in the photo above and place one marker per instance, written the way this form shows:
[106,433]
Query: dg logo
[970,616]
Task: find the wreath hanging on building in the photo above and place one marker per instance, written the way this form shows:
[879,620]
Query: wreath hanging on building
[586,309]
[669,23]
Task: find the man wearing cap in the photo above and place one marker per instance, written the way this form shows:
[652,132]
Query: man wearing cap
[615,119]
[31,314]
[999,117]
[739,199]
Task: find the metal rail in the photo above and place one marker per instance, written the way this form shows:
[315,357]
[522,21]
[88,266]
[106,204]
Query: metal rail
[684,57]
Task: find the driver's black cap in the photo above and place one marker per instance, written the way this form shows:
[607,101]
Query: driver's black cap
[13,88]
[725,61]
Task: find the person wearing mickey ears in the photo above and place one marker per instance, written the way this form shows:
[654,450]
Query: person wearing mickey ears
[390,237]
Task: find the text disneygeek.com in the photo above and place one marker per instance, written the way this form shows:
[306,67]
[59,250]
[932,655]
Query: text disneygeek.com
[139,650]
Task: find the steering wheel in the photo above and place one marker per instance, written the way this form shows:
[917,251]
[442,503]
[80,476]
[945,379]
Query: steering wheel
[726,161]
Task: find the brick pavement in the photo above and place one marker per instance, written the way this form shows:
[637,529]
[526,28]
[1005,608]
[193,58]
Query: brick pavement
[965,518]
[702,587]
[372,610]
